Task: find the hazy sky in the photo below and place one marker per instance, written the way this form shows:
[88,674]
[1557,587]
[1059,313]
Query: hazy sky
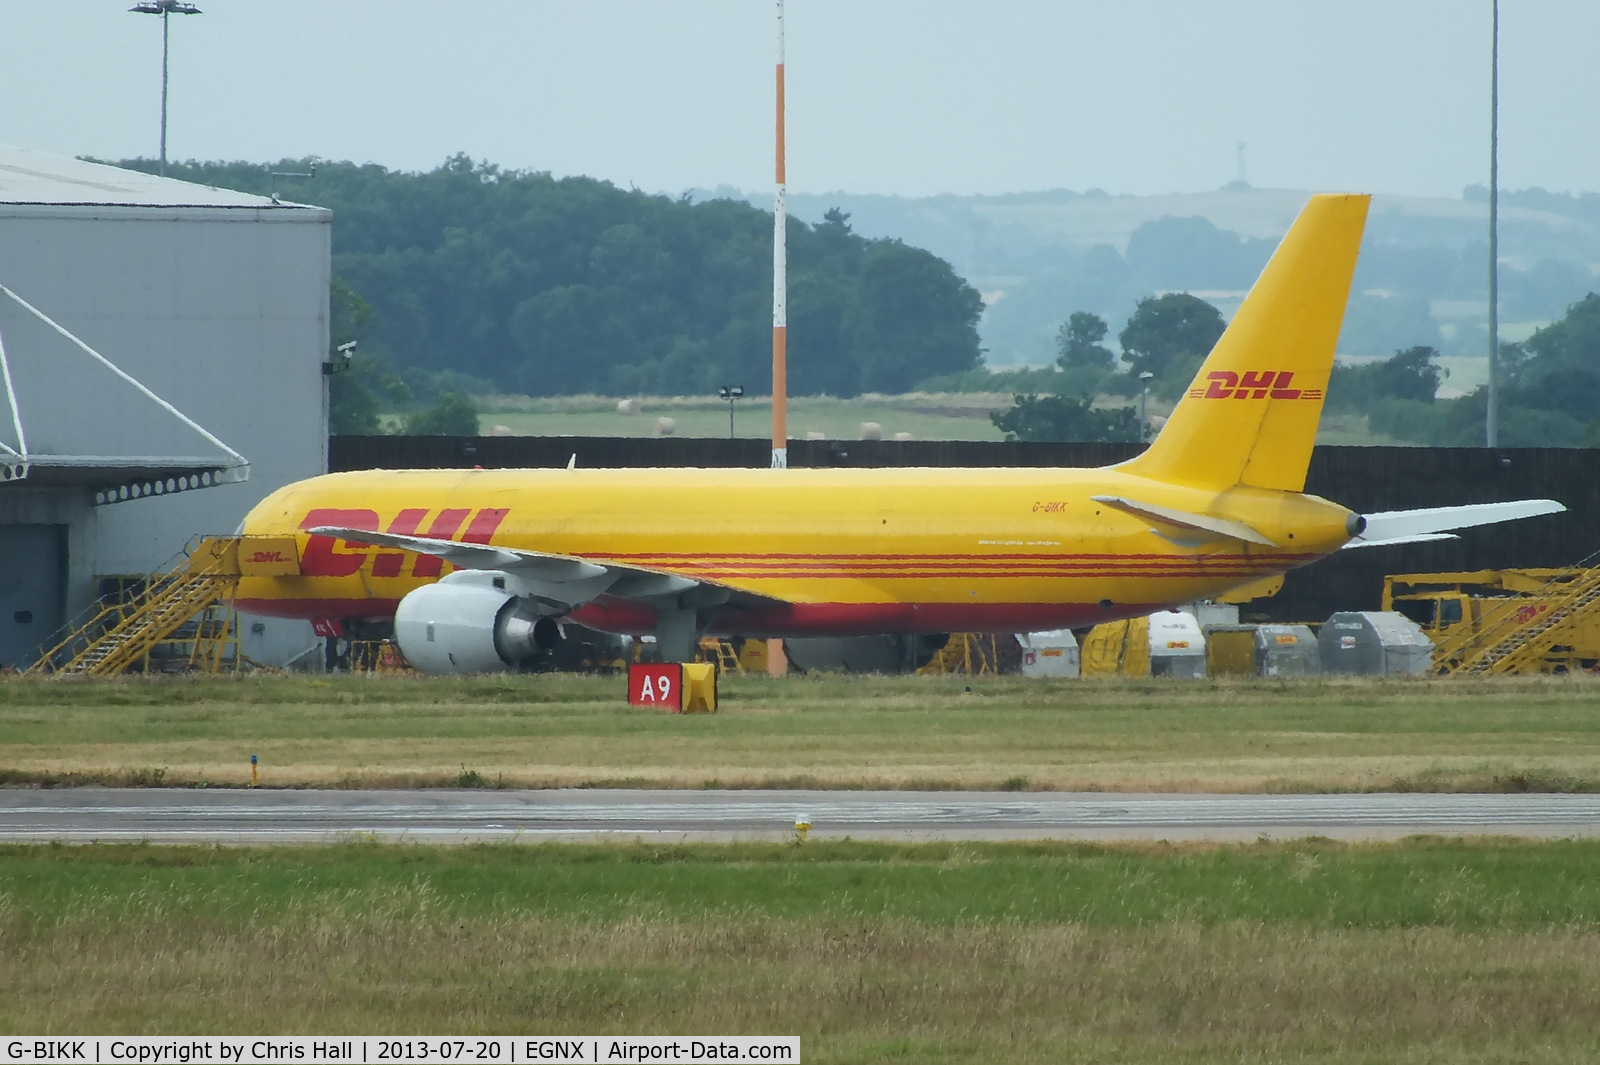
[888,96]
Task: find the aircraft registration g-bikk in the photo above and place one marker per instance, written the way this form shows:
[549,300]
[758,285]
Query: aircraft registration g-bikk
[1215,503]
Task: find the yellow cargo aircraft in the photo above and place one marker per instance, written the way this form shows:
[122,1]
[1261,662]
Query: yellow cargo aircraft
[1215,503]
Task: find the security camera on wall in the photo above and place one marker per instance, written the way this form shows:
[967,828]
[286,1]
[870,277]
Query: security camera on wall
[346,352]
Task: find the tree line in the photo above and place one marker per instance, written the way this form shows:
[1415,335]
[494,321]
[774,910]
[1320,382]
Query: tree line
[1411,268]
[1163,344]
[491,280]
[469,279]
[1546,396]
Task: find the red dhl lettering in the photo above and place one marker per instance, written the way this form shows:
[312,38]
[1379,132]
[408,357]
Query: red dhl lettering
[1254,384]
[268,556]
[1251,384]
[406,523]
[323,556]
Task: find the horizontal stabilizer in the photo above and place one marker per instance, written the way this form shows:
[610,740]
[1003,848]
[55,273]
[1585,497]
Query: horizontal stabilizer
[1209,527]
[1436,523]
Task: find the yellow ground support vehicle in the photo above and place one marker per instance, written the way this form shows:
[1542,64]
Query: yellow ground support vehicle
[1504,621]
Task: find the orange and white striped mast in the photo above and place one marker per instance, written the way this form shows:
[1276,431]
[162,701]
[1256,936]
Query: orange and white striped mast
[780,257]
[777,661]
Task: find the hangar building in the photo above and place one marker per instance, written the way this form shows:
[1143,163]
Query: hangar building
[163,347]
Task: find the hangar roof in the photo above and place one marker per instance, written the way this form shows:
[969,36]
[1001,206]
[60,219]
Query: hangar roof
[39,178]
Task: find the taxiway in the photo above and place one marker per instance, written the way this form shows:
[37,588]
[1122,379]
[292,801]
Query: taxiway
[448,816]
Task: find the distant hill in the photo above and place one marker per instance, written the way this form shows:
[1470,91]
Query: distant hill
[1423,278]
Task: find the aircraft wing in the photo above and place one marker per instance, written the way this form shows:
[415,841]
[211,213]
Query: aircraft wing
[1185,527]
[560,579]
[1437,523]
[531,564]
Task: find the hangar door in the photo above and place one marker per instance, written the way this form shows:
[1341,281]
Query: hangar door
[32,575]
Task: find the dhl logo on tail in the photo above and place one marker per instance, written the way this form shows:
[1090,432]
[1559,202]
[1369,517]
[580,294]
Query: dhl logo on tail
[1252,384]
[323,557]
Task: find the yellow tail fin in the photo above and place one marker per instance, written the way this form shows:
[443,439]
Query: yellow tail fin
[1251,415]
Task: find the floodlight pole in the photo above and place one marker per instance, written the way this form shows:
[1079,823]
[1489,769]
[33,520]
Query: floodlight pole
[1492,413]
[164,8]
[730,393]
[166,50]
[780,219]
[1144,392]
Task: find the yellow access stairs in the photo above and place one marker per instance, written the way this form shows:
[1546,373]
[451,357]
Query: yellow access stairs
[1517,634]
[118,635]
[969,653]
[722,652]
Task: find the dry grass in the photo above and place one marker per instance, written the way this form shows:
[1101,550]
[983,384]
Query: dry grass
[896,990]
[133,940]
[1539,733]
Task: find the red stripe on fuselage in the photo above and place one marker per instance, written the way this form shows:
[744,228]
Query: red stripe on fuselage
[727,556]
[865,619]
[775,619]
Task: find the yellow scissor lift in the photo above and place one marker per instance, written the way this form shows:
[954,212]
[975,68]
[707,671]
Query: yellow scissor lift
[1549,628]
[120,632]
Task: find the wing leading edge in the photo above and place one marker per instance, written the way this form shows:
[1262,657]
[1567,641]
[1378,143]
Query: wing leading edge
[558,579]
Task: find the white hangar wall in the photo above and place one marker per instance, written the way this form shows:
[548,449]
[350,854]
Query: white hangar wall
[214,300]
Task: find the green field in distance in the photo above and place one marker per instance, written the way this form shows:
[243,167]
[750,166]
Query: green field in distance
[925,416]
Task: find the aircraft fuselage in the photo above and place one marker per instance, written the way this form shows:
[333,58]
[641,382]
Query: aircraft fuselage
[821,552]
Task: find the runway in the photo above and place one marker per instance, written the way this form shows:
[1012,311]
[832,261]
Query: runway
[81,815]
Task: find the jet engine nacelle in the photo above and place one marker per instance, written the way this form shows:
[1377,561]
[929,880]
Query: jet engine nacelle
[469,622]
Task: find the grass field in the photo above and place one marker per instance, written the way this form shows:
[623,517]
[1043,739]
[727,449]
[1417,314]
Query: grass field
[1423,951]
[924,416]
[1535,733]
